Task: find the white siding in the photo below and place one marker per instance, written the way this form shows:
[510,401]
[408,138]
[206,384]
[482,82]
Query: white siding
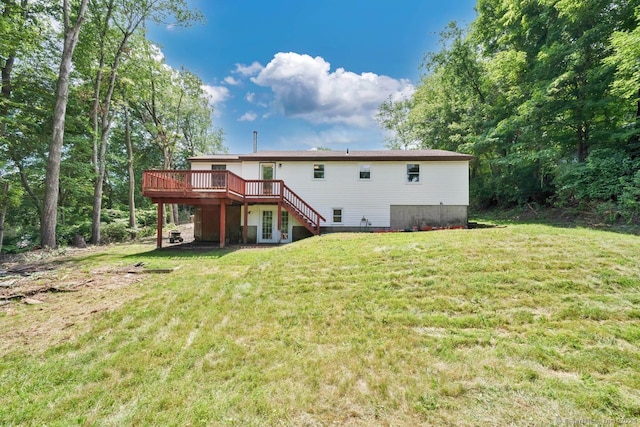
[445,182]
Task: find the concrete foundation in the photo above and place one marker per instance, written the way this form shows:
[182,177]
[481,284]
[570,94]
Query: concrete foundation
[408,217]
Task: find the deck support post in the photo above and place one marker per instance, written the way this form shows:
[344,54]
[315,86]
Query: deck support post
[245,229]
[223,222]
[279,222]
[160,221]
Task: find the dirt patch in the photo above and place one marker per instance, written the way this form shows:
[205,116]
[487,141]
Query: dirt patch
[45,299]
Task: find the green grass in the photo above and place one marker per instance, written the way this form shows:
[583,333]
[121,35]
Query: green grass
[521,325]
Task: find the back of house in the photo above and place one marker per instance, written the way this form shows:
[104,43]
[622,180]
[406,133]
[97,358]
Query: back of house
[382,190]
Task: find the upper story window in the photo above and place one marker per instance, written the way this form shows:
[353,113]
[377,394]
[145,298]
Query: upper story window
[318,171]
[218,167]
[365,171]
[413,172]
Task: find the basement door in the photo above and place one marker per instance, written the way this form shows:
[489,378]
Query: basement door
[268,231]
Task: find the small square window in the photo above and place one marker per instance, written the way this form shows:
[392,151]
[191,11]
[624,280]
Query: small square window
[365,171]
[318,171]
[218,167]
[337,215]
[413,172]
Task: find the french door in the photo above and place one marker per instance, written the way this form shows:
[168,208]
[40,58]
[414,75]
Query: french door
[267,173]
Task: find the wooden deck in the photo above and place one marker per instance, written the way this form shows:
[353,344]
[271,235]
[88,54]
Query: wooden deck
[193,187]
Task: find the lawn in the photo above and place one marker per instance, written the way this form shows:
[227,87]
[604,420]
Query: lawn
[513,325]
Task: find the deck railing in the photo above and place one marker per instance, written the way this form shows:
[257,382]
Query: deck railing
[156,182]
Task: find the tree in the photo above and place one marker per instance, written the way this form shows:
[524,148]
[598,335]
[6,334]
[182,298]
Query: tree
[10,196]
[50,204]
[176,113]
[394,117]
[114,24]
[527,89]
[626,59]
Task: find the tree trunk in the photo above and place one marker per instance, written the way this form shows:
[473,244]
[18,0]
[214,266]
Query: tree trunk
[176,214]
[52,181]
[105,128]
[3,211]
[583,138]
[132,176]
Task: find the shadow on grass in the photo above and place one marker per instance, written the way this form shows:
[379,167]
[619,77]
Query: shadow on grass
[194,251]
[183,253]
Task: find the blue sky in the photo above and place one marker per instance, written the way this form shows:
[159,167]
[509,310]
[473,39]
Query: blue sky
[304,73]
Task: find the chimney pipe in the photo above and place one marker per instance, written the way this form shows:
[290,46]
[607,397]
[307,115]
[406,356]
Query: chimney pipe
[255,141]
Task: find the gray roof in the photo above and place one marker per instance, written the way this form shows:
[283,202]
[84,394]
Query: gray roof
[325,155]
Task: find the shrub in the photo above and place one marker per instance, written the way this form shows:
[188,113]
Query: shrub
[114,232]
[146,217]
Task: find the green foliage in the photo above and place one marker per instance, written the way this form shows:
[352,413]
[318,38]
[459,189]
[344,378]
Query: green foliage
[29,59]
[609,180]
[544,94]
[115,232]
[147,217]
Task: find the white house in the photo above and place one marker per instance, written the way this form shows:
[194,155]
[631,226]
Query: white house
[280,196]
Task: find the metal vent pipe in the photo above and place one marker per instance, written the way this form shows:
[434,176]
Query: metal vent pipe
[255,141]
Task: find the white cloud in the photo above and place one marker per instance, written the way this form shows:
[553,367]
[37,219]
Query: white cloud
[248,117]
[231,81]
[250,97]
[249,70]
[335,137]
[216,94]
[305,87]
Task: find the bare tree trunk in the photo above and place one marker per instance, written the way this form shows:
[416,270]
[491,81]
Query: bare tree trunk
[132,177]
[52,181]
[105,128]
[176,214]
[3,211]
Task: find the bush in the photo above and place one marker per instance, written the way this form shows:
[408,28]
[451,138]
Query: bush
[601,178]
[111,215]
[114,232]
[629,200]
[66,233]
[146,217]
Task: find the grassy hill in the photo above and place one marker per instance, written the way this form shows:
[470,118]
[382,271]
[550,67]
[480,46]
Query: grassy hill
[523,325]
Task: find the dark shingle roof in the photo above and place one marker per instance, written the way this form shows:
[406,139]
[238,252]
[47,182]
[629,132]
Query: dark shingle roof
[326,155]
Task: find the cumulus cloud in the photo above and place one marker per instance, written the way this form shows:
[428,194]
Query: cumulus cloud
[335,137]
[216,94]
[306,87]
[249,70]
[248,117]
[231,81]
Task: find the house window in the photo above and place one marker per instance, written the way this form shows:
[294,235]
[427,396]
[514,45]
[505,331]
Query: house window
[413,172]
[218,167]
[337,215]
[365,171]
[318,171]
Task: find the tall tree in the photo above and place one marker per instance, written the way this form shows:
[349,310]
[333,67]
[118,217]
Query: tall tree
[71,30]
[115,23]
[625,58]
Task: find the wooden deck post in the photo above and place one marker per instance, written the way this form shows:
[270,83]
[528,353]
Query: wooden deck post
[245,229]
[223,222]
[160,221]
[279,222]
